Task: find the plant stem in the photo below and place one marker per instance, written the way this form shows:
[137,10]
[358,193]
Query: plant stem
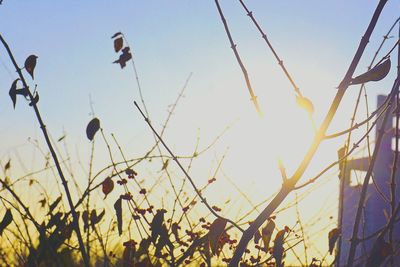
[239,60]
[54,156]
[289,185]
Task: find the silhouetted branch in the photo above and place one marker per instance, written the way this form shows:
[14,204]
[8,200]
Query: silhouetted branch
[203,200]
[53,154]
[354,238]
[264,36]
[288,187]
[239,60]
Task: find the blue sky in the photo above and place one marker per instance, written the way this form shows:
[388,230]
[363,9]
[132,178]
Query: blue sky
[170,39]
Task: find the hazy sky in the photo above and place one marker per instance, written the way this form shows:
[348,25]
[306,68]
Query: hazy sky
[169,40]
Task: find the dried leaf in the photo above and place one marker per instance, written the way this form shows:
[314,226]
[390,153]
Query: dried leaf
[8,165]
[174,228]
[54,204]
[257,237]
[118,44]
[118,211]
[332,237]
[116,34]
[92,128]
[13,92]
[85,219]
[42,202]
[377,73]
[216,230]
[7,219]
[30,64]
[278,247]
[305,104]
[107,186]
[379,252]
[266,233]
[156,224]
[124,57]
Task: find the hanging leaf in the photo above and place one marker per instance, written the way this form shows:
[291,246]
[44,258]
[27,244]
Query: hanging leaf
[7,219]
[92,128]
[377,73]
[118,43]
[107,186]
[163,241]
[34,100]
[94,218]
[156,224]
[118,211]
[124,57]
[332,237]
[278,247]
[174,228]
[13,92]
[8,165]
[54,204]
[257,237]
[379,252]
[101,215]
[30,64]
[116,34]
[266,233]
[305,104]
[85,219]
[216,230]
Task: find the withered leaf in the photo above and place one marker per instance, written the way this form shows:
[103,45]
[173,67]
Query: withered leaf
[377,73]
[107,186]
[266,233]
[216,230]
[92,128]
[124,57]
[278,247]
[156,225]
[85,219]
[118,44]
[118,212]
[30,64]
[257,237]
[7,219]
[8,165]
[13,92]
[332,237]
[94,218]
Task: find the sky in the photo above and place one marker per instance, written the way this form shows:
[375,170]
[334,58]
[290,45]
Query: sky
[170,40]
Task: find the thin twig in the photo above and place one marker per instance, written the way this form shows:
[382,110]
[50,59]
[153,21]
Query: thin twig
[184,171]
[54,156]
[288,187]
[239,60]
